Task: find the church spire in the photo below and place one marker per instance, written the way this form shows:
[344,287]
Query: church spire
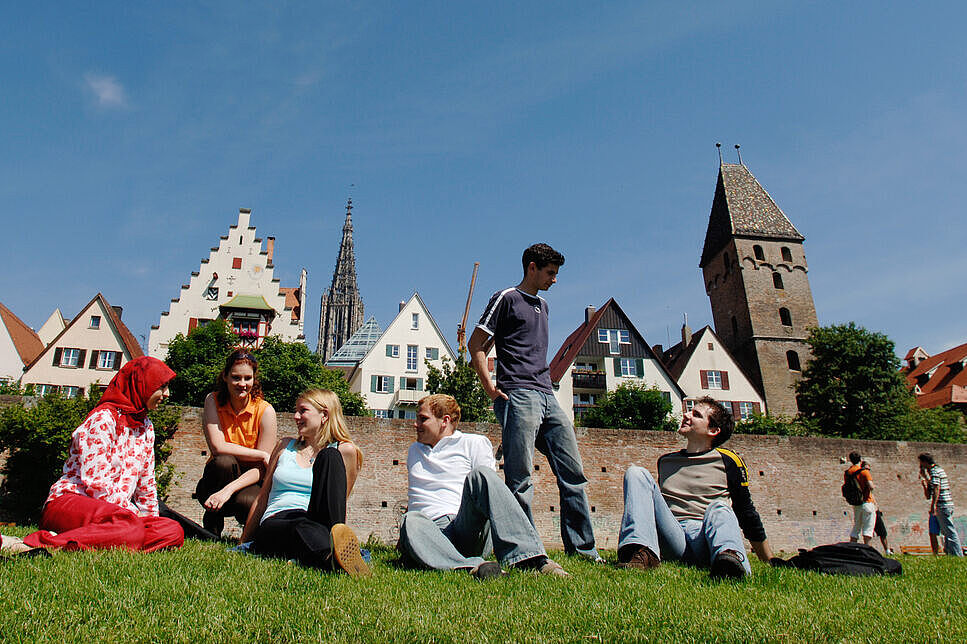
[341,308]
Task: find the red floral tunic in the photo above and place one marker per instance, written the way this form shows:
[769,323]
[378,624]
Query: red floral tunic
[111,462]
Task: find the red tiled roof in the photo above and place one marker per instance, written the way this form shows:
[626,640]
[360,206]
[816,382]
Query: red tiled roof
[25,339]
[292,301]
[949,375]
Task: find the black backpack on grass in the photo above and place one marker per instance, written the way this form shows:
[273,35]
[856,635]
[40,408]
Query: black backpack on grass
[843,559]
[852,491]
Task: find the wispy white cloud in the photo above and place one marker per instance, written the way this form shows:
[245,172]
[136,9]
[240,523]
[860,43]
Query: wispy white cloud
[107,90]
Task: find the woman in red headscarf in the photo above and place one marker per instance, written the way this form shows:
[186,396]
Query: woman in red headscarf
[106,497]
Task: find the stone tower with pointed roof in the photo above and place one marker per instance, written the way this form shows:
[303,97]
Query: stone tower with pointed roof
[756,278]
[341,308]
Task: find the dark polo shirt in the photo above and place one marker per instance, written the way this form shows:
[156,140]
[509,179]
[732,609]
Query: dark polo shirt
[518,323]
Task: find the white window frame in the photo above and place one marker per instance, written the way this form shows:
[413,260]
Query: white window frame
[382,384]
[689,405]
[415,321]
[395,350]
[95,322]
[70,357]
[628,368]
[380,413]
[614,338]
[714,379]
[102,359]
[412,357]
[70,391]
[746,409]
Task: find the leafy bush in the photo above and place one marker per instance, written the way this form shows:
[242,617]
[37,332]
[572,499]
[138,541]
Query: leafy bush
[460,381]
[631,405]
[772,425]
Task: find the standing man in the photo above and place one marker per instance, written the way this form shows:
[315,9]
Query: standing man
[864,514]
[458,507]
[516,321]
[936,487]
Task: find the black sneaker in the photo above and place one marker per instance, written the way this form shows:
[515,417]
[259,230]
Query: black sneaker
[728,565]
[487,570]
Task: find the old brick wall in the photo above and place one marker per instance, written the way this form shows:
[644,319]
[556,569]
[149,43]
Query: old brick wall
[795,482]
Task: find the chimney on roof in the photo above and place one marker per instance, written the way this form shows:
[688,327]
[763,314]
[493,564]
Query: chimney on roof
[686,333]
[588,313]
[270,249]
[117,311]
[402,305]
[243,217]
[658,349]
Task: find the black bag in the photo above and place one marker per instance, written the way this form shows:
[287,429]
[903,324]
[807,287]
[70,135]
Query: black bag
[843,559]
[852,491]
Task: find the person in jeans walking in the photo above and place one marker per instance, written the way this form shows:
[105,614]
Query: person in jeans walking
[458,507]
[515,320]
[936,487]
[700,506]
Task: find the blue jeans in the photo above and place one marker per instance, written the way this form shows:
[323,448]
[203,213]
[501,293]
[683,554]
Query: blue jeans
[945,515]
[488,514]
[532,419]
[648,522]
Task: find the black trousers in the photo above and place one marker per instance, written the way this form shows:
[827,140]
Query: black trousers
[303,535]
[219,472]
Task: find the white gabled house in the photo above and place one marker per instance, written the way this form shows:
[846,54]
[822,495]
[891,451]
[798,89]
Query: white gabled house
[391,376]
[703,366]
[19,345]
[603,353]
[88,351]
[236,283]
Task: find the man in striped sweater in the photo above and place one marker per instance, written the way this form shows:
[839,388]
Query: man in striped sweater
[936,487]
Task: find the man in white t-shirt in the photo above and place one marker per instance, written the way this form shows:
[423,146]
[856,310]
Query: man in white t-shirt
[459,509]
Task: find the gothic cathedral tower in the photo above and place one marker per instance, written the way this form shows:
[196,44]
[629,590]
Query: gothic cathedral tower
[756,279]
[341,309]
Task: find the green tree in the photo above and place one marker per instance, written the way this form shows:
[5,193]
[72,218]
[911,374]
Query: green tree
[631,405]
[774,425]
[852,386]
[198,358]
[932,425]
[460,381]
[286,369]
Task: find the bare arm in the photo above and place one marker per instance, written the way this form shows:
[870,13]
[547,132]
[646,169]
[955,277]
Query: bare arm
[480,343]
[258,508]
[762,550]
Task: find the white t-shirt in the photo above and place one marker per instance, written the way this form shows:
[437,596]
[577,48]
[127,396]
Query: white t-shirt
[436,474]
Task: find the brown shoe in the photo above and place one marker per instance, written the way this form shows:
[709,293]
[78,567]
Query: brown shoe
[345,550]
[638,557]
[552,568]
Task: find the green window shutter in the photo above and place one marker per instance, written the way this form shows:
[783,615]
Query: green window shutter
[372,384]
[617,367]
[390,380]
[434,354]
[419,384]
[640,367]
[389,350]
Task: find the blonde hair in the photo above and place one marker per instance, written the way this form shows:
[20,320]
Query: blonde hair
[442,405]
[334,427]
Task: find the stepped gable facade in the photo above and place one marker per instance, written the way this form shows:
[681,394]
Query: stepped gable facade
[341,310]
[236,283]
[756,278]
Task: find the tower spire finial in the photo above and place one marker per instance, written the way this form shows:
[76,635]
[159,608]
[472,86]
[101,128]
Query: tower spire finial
[718,146]
[739,153]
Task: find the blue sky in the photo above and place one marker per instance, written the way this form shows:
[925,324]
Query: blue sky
[133,132]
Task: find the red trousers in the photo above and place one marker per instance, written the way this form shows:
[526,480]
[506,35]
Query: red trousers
[84,523]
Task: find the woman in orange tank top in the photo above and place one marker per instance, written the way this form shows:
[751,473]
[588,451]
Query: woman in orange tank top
[241,431]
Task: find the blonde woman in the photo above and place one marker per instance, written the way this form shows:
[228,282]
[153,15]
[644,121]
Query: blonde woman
[300,512]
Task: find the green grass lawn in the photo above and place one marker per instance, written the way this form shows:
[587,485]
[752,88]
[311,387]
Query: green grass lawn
[204,593]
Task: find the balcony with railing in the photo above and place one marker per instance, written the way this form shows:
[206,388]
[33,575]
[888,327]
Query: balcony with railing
[408,396]
[588,379]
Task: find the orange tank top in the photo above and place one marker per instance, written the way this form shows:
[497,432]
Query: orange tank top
[242,428]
